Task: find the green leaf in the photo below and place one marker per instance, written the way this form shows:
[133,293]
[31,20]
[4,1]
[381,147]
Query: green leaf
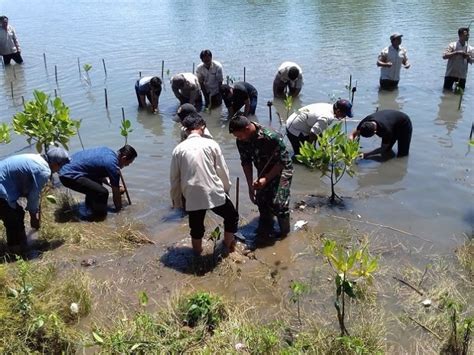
[348,288]
[51,199]
[143,298]
[98,339]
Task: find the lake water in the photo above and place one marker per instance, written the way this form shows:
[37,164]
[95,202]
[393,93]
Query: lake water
[430,193]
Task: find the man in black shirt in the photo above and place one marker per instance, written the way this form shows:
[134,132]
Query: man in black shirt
[391,126]
[242,93]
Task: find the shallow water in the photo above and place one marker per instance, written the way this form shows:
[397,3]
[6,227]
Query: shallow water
[429,193]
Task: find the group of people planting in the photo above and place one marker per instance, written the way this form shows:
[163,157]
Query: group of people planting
[199,176]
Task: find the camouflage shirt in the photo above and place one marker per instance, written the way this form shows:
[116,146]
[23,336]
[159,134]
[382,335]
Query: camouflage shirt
[264,146]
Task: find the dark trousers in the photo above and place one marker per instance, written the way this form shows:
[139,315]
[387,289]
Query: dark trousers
[213,101]
[450,80]
[386,84]
[296,141]
[404,140]
[226,211]
[13,220]
[96,194]
[15,56]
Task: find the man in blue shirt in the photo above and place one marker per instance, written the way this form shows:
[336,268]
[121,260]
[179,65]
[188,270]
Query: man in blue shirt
[25,175]
[91,168]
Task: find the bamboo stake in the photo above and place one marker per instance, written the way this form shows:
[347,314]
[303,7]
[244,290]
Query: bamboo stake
[244,73]
[14,72]
[105,69]
[79,66]
[23,101]
[406,283]
[125,188]
[383,226]
[424,327]
[162,69]
[269,104]
[56,73]
[55,93]
[472,130]
[44,58]
[106,99]
[193,67]
[11,87]
[80,138]
[139,74]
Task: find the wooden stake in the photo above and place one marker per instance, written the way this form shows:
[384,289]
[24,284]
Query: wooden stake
[244,73]
[269,104]
[123,115]
[105,69]
[125,187]
[23,101]
[139,74]
[237,194]
[106,100]
[44,58]
[79,66]
[162,69]
[11,87]
[55,93]
[193,67]
[56,73]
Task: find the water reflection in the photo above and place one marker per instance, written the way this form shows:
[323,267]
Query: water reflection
[448,116]
[151,123]
[389,174]
[387,100]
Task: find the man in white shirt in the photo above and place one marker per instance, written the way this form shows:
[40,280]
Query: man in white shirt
[310,121]
[459,54]
[186,88]
[288,80]
[210,76]
[9,46]
[390,61]
[199,173]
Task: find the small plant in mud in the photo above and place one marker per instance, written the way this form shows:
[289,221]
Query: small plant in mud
[202,307]
[460,332]
[298,290]
[43,124]
[22,294]
[215,237]
[87,67]
[4,133]
[334,156]
[356,262]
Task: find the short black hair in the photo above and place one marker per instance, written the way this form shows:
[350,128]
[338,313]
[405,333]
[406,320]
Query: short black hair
[238,123]
[193,121]
[155,82]
[128,152]
[3,18]
[225,90]
[367,129]
[293,73]
[462,29]
[205,53]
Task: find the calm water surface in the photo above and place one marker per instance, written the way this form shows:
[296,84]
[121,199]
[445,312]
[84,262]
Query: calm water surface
[429,194]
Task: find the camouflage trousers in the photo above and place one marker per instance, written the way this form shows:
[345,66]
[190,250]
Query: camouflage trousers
[275,198]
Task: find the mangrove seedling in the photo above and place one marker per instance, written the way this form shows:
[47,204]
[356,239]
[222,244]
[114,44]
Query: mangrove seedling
[298,290]
[22,294]
[461,329]
[215,237]
[356,262]
[288,102]
[5,133]
[334,157]
[45,122]
[125,128]
[87,67]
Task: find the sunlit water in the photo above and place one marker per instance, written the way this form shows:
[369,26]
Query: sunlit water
[430,193]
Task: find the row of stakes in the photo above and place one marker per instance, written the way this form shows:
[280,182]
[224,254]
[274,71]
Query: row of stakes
[105,72]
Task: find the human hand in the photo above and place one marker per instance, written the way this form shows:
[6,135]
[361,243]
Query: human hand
[122,189]
[361,156]
[388,64]
[406,66]
[260,183]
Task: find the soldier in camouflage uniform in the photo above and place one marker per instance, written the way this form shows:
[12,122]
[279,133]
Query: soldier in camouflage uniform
[270,191]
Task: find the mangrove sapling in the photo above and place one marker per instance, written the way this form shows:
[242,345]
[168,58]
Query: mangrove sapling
[45,122]
[298,290]
[87,67]
[461,329]
[22,294]
[460,91]
[5,133]
[355,262]
[334,157]
[288,102]
[126,127]
[215,237]
[202,307]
